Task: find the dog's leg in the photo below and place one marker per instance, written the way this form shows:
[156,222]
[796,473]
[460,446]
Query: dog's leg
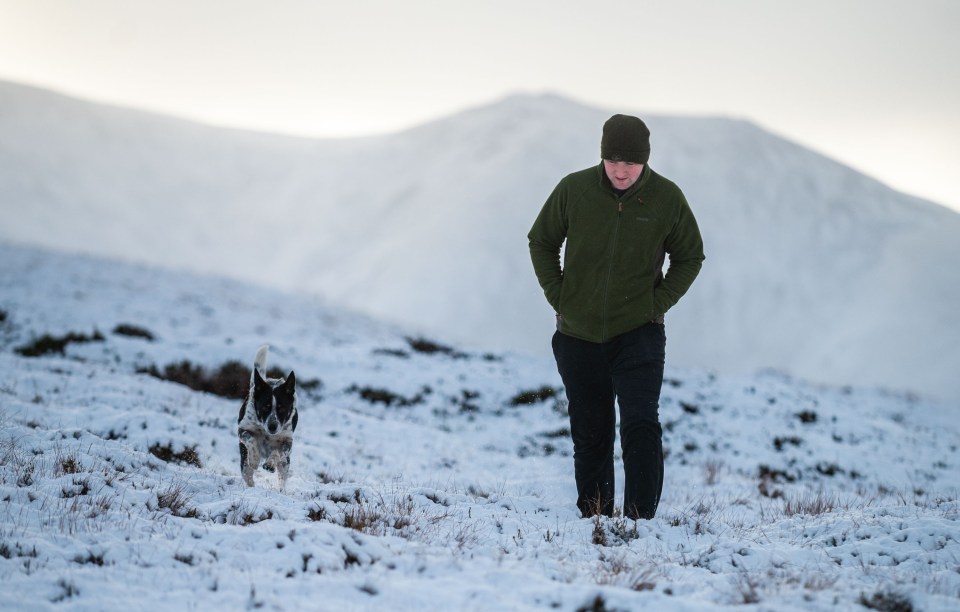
[245,470]
[283,472]
[280,459]
[249,457]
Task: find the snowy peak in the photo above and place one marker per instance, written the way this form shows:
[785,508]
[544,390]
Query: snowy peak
[812,268]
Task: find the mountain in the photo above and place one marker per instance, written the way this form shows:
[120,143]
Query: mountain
[424,476]
[812,268]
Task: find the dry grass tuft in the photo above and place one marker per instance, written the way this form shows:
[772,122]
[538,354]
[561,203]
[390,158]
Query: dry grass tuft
[175,500]
[818,504]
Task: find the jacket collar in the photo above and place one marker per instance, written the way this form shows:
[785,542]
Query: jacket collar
[605,181]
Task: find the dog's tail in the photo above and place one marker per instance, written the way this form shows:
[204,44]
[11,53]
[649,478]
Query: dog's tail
[260,361]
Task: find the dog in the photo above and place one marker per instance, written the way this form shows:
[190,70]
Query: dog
[268,418]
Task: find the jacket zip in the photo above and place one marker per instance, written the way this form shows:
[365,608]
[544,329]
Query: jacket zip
[606,288]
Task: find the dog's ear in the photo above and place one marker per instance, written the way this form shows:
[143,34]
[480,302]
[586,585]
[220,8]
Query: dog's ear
[257,378]
[291,381]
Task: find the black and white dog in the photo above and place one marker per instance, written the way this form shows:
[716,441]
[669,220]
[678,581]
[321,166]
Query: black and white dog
[267,420]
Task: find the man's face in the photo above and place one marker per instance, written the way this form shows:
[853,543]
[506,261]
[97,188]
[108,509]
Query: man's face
[622,174]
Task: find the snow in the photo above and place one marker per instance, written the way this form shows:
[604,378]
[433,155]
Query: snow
[812,268]
[779,492]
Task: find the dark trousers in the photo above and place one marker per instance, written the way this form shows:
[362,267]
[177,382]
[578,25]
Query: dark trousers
[628,369]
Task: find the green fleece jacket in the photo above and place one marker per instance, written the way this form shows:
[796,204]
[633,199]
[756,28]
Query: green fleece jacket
[612,281]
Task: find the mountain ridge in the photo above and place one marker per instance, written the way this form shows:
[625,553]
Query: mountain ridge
[812,267]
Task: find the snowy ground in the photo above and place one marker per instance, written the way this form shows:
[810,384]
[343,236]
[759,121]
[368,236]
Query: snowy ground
[452,496]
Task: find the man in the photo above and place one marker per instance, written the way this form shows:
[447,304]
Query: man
[619,220]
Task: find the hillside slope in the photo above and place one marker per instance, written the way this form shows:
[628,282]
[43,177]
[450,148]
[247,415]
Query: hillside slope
[424,476]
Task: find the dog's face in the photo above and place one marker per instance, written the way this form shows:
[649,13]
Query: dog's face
[275,403]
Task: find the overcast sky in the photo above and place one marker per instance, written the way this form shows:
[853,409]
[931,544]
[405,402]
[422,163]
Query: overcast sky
[872,83]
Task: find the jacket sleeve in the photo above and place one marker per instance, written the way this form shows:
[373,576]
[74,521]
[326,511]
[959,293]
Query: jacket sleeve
[546,238]
[685,247]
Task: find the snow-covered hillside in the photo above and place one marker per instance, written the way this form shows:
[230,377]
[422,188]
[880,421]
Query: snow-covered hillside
[425,476]
[811,268]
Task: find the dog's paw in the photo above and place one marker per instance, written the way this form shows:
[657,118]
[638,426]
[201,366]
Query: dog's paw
[269,466]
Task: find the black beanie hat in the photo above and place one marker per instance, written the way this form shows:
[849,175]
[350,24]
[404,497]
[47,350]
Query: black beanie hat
[625,138]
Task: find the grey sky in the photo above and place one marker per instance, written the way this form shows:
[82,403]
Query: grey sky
[872,83]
